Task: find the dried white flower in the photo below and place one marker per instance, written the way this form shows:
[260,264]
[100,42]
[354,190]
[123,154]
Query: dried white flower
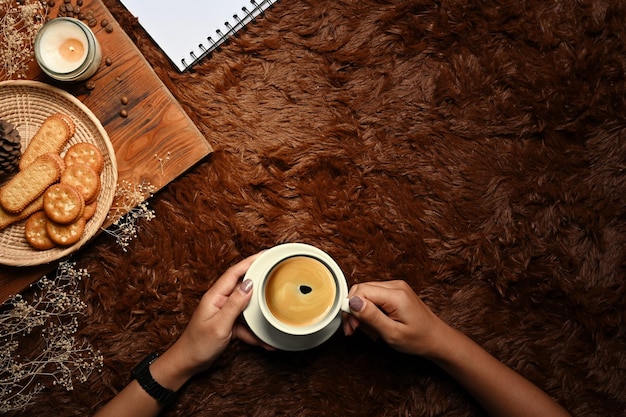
[162,161]
[19,24]
[130,199]
[53,313]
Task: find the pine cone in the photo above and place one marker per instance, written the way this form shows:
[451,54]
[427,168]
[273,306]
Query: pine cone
[10,148]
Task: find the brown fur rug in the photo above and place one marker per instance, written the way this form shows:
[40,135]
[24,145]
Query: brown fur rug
[475,149]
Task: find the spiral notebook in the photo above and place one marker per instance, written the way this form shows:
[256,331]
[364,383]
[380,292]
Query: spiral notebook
[190,30]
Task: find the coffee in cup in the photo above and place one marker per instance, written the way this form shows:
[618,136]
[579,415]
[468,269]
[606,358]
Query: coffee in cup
[299,294]
[300,291]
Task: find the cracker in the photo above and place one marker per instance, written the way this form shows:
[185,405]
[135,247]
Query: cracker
[84,179]
[66,234]
[90,210]
[7,219]
[35,232]
[63,203]
[31,182]
[52,136]
[85,153]
[70,123]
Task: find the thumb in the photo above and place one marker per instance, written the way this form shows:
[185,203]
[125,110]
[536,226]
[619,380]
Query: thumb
[236,302]
[368,313]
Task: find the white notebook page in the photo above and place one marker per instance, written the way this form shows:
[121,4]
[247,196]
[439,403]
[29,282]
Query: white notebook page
[181,28]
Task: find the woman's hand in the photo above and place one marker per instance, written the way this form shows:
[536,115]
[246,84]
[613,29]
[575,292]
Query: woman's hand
[391,310]
[213,325]
[215,322]
[394,312]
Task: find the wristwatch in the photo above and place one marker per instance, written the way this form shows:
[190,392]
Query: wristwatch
[142,374]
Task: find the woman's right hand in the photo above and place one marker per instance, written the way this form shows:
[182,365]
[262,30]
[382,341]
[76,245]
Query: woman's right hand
[391,310]
[394,312]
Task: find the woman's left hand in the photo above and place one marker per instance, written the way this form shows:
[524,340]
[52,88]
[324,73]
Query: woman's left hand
[215,322]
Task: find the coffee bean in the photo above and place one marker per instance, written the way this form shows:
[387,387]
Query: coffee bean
[108,28]
[104,22]
[51,3]
[124,100]
[79,2]
[108,61]
[124,113]
[90,85]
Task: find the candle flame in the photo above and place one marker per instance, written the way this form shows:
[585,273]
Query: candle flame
[71,49]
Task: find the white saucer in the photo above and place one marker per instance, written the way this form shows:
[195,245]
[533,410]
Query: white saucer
[253,316]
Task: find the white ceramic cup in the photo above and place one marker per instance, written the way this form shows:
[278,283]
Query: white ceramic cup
[266,265]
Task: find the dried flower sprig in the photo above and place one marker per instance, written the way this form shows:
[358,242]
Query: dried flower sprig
[19,24]
[52,313]
[162,161]
[129,206]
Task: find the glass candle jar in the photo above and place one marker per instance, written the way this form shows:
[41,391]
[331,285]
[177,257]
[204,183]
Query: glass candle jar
[67,50]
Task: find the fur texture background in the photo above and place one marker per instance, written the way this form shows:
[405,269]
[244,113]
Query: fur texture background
[475,149]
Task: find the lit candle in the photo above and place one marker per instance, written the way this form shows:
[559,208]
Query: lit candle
[67,50]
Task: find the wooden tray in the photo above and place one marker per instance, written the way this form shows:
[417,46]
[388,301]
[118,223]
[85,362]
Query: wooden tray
[155,144]
[26,104]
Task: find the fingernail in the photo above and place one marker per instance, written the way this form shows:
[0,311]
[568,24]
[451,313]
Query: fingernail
[246,286]
[356,303]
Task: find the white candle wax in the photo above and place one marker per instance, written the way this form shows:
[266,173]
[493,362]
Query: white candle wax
[63,46]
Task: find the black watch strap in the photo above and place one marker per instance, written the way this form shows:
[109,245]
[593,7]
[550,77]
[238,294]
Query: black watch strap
[142,374]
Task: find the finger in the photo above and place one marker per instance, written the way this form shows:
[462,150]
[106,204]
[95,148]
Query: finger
[349,323]
[347,329]
[235,304]
[377,294]
[354,322]
[394,284]
[214,299]
[390,298]
[228,281]
[245,335]
[372,316]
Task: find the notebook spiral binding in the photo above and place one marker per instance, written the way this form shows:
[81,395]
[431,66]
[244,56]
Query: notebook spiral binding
[257,8]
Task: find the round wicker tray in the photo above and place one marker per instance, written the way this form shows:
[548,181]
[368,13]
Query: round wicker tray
[26,104]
